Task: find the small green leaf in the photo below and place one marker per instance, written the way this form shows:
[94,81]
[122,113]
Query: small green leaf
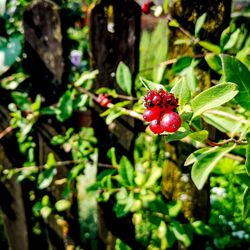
[182,92]
[58,140]
[199,23]
[86,76]
[213,97]
[62,205]
[232,40]
[200,136]
[236,72]
[65,107]
[50,161]
[114,114]
[210,47]
[151,85]
[124,78]
[214,62]
[246,203]
[205,165]
[174,23]
[21,100]
[45,178]
[45,212]
[126,171]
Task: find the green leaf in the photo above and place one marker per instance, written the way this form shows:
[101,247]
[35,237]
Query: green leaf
[21,100]
[165,6]
[182,63]
[246,203]
[214,62]
[182,92]
[200,136]
[65,107]
[62,205]
[9,52]
[232,40]
[124,78]
[199,23]
[86,76]
[248,153]
[205,165]
[45,212]
[151,85]
[210,47]
[113,115]
[126,171]
[235,71]
[50,161]
[58,140]
[155,174]
[180,233]
[174,23]
[176,136]
[223,119]
[213,97]
[45,178]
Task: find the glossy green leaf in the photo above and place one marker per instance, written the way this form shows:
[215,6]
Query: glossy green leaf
[205,165]
[236,72]
[65,107]
[126,171]
[214,62]
[210,46]
[58,140]
[182,92]
[62,205]
[45,212]
[86,76]
[21,100]
[199,23]
[213,97]
[45,178]
[124,78]
[246,203]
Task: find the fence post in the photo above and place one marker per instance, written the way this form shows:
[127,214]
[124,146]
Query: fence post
[114,37]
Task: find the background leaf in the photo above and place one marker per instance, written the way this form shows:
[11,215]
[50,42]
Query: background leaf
[65,107]
[199,23]
[124,78]
[236,72]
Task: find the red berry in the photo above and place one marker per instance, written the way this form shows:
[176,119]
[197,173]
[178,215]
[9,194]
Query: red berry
[170,121]
[155,127]
[146,7]
[156,100]
[151,114]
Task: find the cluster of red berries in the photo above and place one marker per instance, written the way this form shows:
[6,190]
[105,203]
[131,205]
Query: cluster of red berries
[146,6]
[161,111]
[103,100]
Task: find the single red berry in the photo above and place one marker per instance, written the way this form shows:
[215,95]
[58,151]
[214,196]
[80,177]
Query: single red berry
[152,114]
[146,7]
[150,95]
[156,100]
[155,127]
[170,121]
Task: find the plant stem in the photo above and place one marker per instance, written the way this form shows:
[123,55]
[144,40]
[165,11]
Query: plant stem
[5,132]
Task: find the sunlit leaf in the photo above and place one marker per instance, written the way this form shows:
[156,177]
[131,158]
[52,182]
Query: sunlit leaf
[213,97]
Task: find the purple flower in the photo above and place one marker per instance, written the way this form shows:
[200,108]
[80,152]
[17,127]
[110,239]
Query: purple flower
[76,57]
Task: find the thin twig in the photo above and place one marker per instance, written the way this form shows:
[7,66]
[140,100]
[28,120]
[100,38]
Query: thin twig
[5,132]
[235,157]
[214,144]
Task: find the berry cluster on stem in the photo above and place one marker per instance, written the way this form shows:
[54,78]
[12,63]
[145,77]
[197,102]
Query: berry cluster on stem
[161,111]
